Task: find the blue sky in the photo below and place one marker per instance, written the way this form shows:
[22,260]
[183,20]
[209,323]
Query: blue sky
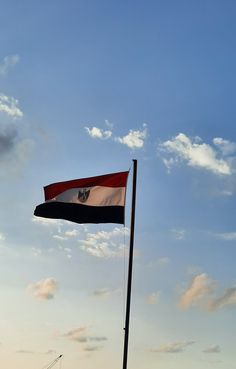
[85,87]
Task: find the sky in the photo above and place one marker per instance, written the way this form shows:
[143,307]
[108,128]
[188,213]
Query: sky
[85,87]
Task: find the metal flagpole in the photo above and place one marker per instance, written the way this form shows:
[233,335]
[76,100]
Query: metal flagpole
[129,282]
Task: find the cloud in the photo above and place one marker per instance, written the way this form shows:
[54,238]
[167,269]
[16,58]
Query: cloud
[200,287]
[226,147]
[72,233]
[92,348]
[78,334]
[212,349]
[81,335]
[46,221]
[14,150]
[24,352]
[44,289]
[8,137]
[134,139]
[8,62]
[200,294]
[171,348]
[163,261]
[196,154]
[59,238]
[99,133]
[228,298]
[229,236]
[2,237]
[9,106]
[153,298]
[36,251]
[104,292]
[105,244]
[179,234]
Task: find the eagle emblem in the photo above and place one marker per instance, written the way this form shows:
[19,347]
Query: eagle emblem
[83,195]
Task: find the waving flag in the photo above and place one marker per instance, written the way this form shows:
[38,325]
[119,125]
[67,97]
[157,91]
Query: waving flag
[98,199]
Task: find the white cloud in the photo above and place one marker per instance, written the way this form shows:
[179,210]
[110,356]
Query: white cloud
[59,238]
[228,236]
[195,154]
[179,234]
[105,244]
[163,261]
[36,251]
[153,298]
[2,237]
[212,349]
[9,105]
[200,288]
[173,347]
[134,139]
[8,62]
[227,147]
[96,132]
[47,221]
[72,233]
[44,289]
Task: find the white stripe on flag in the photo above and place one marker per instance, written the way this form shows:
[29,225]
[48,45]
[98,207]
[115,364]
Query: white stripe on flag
[98,196]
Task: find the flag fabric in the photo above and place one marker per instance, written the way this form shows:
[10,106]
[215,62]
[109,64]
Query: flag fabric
[99,199]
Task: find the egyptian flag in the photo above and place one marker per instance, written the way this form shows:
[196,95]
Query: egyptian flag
[98,199]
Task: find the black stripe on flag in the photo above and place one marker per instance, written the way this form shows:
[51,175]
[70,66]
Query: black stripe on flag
[80,213]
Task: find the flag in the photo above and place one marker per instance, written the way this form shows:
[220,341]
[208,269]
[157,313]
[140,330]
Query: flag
[99,199]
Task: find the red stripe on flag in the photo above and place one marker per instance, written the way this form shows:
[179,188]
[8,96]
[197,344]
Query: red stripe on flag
[107,180]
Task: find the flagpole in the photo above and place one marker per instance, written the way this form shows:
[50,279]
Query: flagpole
[129,282]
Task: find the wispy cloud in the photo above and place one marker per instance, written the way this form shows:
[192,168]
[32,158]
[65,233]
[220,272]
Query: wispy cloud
[8,136]
[104,293]
[200,287]
[153,298]
[92,348]
[9,106]
[59,237]
[105,244]
[228,236]
[212,349]
[47,222]
[135,139]
[179,234]
[72,233]
[225,146]
[228,298]
[8,62]
[82,335]
[163,261]
[15,151]
[171,348]
[2,237]
[25,352]
[44,289]
[198,154]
